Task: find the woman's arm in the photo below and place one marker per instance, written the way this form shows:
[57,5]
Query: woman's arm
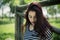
[55,30]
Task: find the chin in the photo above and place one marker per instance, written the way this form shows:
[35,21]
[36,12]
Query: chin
[32,23]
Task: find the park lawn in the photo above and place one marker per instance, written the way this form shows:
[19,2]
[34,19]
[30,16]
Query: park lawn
[7,28]
[54,22]
[57,25]
[7,31]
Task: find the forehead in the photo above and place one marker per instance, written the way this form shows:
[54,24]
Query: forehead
[32,13]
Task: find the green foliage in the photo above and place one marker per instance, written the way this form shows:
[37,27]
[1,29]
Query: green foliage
[58,8]
[5,1]
[15,2]
[56,36]
[51,10]
[7,29]
[4,36]
[6,21]
[30,1]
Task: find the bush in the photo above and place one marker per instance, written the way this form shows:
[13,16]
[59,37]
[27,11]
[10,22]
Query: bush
[3,36]
[56,36]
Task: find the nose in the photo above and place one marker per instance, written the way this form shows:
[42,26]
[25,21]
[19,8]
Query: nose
[32,20]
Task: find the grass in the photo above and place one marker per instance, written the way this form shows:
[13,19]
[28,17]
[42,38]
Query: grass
[7,29]
[57,25]
[54,22]
[7,26]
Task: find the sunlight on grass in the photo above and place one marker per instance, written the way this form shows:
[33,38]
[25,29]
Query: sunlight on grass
[7,28]
[57,25]
[54,22]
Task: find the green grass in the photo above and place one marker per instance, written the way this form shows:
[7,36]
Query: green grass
[7,26]
[57,25]
[54,22]
[7,29]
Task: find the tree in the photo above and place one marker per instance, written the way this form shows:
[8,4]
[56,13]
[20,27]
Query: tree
[50,11]
[58,7]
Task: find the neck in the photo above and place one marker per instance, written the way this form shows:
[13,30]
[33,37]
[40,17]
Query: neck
[31,27]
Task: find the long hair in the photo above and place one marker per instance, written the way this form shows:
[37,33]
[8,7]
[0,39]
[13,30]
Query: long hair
[41,24]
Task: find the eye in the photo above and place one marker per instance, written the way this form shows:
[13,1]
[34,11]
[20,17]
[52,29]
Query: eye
[30,16]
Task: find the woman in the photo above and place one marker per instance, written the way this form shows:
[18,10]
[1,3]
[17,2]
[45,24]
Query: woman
[37,27]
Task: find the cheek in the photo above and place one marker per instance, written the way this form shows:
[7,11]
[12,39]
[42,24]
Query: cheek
[30,20]
[35,19]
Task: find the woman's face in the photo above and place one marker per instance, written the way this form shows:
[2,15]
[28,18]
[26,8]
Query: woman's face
[32,17]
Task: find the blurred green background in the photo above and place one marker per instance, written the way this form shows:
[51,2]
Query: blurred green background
[7,17]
